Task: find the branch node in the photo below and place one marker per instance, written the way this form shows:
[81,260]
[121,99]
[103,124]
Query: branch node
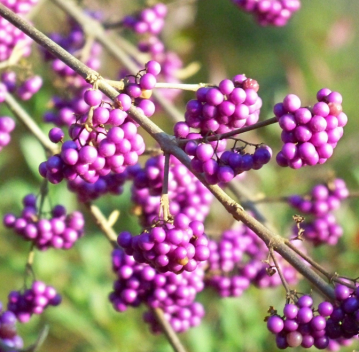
[333,277]
[298,220]
[93,78]
[237,206]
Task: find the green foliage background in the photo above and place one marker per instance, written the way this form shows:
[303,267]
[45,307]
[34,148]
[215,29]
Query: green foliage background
[318,48]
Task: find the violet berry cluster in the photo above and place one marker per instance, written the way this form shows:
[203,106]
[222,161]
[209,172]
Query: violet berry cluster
[14,45]
[7,125]
[8,330]
[170,62]
[112,183]
[13,37]
[233,104]
[32,301]
[66,108]
[73,43]
[176,247]
[148,21]
[93,150]
[24,89]
[174,294]
[186,193]
[229,164]
[236,261]
[139,88]
[321,203]
[61,231]
[153,46]
[301,325]
[309,134]
[270,12]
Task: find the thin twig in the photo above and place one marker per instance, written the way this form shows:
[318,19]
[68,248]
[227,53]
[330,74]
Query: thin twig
[354,194]
[167,329]
[44,190]
[264,199]
[113,25]
[243,195]
[103,224]
[113,218]
[33,348]
[182,86]
[217,137]
[331,277]
[165,203]
[132,50]
[29,123]
[280,273]
[31,256]
[166,171]
[39,341]
[153,151]
[28,266]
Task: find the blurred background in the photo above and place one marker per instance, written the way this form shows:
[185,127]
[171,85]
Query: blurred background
[318,48]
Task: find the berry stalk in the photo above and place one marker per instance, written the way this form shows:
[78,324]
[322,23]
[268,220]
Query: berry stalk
[280,273]
[234,132]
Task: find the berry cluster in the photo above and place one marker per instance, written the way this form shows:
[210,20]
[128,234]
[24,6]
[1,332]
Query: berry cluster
[7,125]
[66,108]
[148,21]
[186,193]
[170,63]
[24,89]
[8,331]
[139,88]
[180,318]
[233,104]
[176,247]
[74,43]
[174,294]
[86,191]
[309,134]
[321,202]
[61,231]
[12,37]
[299,325]
[32,301]
[236,260]
[230,164]
[14,45]
[95,151]
[270,12]
[337,344]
